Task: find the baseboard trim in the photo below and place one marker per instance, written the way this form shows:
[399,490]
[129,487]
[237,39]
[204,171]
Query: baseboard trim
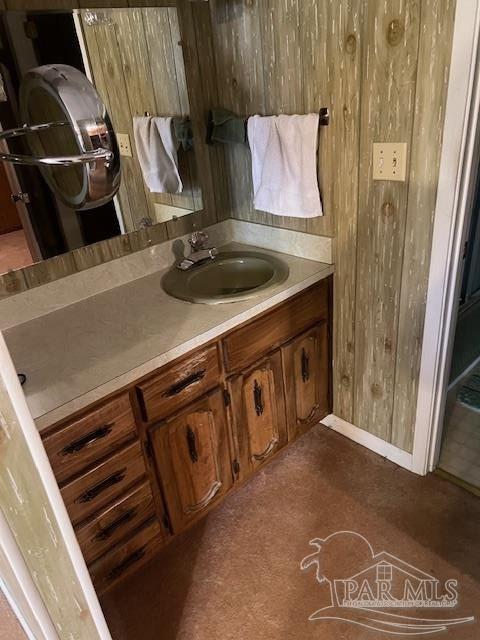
[368,440]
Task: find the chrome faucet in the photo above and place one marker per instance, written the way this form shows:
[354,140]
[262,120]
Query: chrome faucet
[200,253]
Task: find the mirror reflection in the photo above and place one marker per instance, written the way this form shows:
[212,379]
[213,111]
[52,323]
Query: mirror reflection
[134,59]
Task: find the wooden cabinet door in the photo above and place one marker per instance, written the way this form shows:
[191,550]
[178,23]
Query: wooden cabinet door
[192,456]
[305,370]
[258,413]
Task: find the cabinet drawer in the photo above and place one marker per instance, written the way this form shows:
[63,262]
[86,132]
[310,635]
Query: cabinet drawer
[79,444]
[115,522]
[179,383]
[126,558]
[100,485]
[248,343]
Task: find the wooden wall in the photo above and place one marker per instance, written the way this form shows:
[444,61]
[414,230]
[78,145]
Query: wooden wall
[382,69]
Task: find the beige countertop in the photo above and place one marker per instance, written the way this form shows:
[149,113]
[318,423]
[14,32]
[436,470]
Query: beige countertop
[78,354]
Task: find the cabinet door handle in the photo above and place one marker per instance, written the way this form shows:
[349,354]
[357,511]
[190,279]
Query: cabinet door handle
[212,492]
[105,534]
[178,387]
[305,366]
[258,398]
[192,444]
[102,486]
[134,557]
[89,438]
[261,456]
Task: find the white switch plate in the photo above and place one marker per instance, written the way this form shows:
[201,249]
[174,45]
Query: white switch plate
[123,140]
[390,161]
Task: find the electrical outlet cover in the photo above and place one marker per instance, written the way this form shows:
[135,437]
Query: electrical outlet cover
[390,161]
[123,140]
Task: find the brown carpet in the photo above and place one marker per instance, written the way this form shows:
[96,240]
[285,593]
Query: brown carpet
[236,575]
[10,628]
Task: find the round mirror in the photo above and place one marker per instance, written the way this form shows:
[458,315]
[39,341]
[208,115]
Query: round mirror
[70,135]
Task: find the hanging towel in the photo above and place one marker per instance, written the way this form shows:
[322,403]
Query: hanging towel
[182,128]
[226,127]
[284,165]
[157,154]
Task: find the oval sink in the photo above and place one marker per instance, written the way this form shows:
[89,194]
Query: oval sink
[232,276]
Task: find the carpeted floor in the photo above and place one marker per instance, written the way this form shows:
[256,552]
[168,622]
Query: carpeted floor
[14,251]
[10,628]
[236,575]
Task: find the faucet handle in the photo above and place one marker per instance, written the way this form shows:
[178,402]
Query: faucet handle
[198,240]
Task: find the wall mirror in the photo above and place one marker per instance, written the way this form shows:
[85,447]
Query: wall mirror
[134,59]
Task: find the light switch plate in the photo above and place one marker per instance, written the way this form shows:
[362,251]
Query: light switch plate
[123,140]
[390,161]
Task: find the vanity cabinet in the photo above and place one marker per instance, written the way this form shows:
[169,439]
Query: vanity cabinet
[140,467]
[192,454]
[257,408]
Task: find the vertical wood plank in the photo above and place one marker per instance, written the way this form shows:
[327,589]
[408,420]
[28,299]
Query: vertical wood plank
[109,62]
[198,112]
[389,76]
[239,67]
[169,89]
[100,83]
[137,73]
[208,76]
[436,29]
[332,59]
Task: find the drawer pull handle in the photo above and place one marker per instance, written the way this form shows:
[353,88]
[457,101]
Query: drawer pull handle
[305,366]
[84,441]
[258,399]
[102,486]
[130,560]
[105,534]
[177,388]
[212,492]
[192,444]
[267,452]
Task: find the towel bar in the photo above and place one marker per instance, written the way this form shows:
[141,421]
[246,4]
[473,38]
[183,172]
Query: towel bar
[323,113]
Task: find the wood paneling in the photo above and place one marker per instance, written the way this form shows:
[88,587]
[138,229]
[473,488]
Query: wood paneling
[433,63]
[389,75]
[267,61]
[140,57]
[382,69]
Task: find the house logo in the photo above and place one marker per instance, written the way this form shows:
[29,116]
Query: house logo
[380,586]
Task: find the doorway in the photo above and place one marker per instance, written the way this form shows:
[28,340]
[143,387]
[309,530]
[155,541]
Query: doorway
[44,226]
[14,249]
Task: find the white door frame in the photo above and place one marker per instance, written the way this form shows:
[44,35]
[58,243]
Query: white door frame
[20,590]
[457,169]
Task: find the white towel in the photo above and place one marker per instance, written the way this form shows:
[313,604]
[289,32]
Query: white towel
[157,153]
[284,165]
